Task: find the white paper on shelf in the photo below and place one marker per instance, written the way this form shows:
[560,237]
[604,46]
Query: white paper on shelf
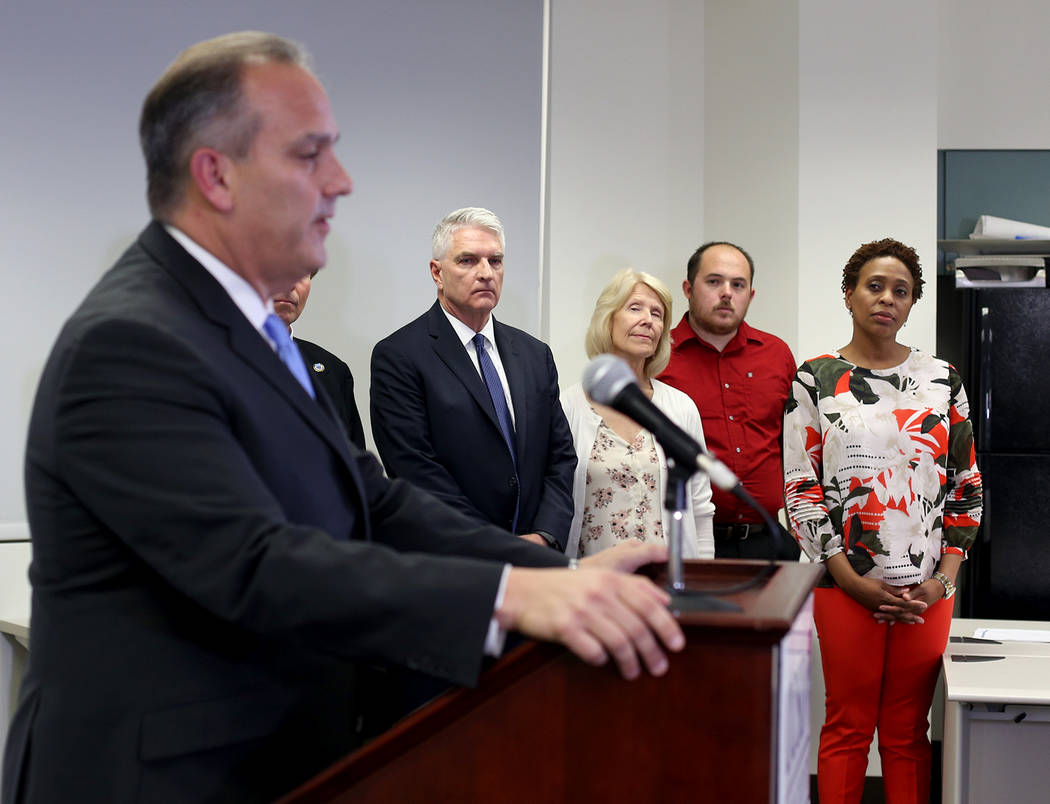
[1011,635]
[991,226]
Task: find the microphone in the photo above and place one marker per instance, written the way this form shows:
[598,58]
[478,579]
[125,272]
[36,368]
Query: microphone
[608,380]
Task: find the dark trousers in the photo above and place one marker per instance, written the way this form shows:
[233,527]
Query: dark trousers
[753,541]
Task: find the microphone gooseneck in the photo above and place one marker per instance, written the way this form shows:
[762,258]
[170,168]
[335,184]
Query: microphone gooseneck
[608,380]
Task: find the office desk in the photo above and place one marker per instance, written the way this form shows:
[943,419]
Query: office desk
[15,554]
[17,628]
[996,717]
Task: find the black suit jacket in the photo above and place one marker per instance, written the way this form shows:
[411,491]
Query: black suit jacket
[210,554]
[333,375]
[434,424]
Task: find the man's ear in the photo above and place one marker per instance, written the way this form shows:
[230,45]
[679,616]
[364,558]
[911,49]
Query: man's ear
[687,288]
[435,273]
[212,174]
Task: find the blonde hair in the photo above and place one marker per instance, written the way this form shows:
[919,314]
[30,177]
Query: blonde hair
[599,334]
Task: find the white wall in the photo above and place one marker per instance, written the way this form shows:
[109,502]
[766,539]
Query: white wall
[867,153]
[439,104]
[993,63]
[626,154]
[751,149]
[820,135]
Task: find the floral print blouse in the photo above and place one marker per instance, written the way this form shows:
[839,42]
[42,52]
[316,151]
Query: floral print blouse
[880,464]
[622,500]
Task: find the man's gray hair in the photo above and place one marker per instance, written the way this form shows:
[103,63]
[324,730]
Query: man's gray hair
[198,102]
[466,218]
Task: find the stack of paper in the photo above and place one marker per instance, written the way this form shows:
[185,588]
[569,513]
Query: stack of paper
[989,226]
[1011,635]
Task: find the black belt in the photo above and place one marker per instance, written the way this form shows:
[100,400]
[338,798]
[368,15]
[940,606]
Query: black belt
[738,532]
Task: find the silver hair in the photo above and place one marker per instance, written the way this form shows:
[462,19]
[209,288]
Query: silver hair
[466,218]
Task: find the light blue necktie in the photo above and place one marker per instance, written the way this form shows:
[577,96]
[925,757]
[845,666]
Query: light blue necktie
[288,351]
[499,402]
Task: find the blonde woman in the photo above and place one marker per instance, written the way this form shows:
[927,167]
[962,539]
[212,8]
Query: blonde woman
[621,471]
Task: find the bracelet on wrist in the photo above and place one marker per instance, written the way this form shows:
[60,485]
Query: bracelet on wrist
[946,582]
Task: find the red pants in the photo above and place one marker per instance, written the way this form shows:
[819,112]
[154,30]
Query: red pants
[876,676]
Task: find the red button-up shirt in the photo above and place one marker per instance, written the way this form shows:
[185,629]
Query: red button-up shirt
[740,393]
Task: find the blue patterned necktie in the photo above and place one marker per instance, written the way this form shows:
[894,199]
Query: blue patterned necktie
[499,402]
[288,351]
[495,388]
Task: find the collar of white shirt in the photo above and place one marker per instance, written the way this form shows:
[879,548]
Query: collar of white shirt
[236,286]
[466,334]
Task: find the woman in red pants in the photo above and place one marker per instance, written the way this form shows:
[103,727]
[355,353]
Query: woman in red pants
[881,485]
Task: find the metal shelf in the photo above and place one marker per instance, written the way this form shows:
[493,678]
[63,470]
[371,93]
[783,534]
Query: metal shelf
[967,247]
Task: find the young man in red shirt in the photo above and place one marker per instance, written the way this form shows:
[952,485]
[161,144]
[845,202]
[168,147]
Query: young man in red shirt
[739,378]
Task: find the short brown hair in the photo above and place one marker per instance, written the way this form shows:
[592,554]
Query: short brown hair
[199,101]
[887,247]
[693,265]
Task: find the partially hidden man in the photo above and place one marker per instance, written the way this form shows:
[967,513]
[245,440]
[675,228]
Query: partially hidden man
[326,370]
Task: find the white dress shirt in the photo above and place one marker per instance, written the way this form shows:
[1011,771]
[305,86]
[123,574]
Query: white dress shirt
[236,286]
[466,337]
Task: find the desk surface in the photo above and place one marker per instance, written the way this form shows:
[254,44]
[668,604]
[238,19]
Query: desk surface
[965,627]
[17,627]
[1000,673]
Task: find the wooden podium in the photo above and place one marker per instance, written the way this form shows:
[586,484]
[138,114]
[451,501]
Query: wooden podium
[543,726]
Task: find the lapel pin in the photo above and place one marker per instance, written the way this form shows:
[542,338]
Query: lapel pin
[318,367]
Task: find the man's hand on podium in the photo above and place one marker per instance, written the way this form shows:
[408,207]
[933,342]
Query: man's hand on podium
[597,611]
[627,556]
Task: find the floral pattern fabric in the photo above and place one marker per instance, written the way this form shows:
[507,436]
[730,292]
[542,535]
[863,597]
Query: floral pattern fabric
[880,464]
[622,500]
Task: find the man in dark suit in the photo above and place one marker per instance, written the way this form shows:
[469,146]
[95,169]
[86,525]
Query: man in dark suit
[210,554]
[326,370]
[498,448]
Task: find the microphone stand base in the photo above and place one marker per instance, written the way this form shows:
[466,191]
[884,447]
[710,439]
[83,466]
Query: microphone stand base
[688,600]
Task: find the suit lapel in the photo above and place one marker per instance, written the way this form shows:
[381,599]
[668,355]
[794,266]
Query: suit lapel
[253,350]
[452,353]
[246,343]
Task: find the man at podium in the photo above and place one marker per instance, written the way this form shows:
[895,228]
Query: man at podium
[211,555]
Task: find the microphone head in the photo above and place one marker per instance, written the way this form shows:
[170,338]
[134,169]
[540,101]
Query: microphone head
[605,377]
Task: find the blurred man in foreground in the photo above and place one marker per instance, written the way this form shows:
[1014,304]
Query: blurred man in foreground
[210,554]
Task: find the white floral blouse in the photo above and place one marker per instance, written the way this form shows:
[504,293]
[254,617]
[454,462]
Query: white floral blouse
[622,498]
